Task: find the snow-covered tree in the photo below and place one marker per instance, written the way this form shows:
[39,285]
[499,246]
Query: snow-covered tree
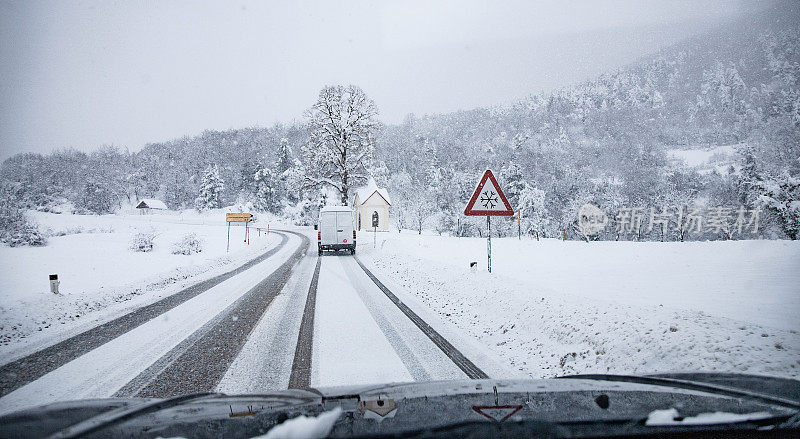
[749,178]
[287,173]
[267,190]
[513,183]
[211,188]
[97,198]
[284,160]
[532,212]
[723,102]
[444,189]
[342,125]
[246,182]
[292,183]
[322,200]
[781,195]
[305,212]
[680,194]
[15,229]
[400,187]
[380,173]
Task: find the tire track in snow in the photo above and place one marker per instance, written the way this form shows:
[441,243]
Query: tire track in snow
[27,369]
[200,362]
[301,367]
[390,330]
[265,361]
[467,366]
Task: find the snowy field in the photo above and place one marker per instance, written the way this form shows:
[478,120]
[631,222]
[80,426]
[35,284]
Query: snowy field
[101,277]
[552,308]
[706,159]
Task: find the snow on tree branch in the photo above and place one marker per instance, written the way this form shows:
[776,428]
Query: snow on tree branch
[341,140]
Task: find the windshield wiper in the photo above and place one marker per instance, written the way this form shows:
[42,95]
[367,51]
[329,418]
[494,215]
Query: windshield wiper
[122,414]
[691,385]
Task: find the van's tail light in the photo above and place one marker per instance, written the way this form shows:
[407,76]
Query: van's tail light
[319,236]
[354,234]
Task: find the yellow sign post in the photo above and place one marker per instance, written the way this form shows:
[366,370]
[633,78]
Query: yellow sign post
[238,218]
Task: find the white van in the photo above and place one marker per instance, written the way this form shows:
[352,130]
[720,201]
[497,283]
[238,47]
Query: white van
[336,229]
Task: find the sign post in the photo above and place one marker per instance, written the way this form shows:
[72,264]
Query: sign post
[238,218]
[489,242]
[488,200]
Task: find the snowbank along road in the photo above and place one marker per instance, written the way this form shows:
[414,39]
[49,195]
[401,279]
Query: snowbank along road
[286,319]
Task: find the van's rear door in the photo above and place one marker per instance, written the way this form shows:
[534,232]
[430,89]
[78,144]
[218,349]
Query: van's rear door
[344,227]
[327,228]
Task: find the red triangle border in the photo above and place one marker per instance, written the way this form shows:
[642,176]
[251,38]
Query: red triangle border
[469,211]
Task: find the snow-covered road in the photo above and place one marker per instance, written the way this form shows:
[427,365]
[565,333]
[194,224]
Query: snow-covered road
[357,335]
[361,337]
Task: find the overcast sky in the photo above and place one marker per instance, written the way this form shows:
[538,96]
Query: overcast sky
[83,74]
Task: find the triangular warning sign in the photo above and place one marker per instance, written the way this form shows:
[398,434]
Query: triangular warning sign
[497,413]
[488,199]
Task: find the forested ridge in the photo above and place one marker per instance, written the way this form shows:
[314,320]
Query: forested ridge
[605,142]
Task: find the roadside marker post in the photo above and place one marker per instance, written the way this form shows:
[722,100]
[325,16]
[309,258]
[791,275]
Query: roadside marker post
[491,201]
[54,282]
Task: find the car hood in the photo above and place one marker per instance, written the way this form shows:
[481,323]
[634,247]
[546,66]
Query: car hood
[404,407]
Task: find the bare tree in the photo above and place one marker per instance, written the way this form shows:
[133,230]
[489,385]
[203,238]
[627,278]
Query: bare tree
[342,126]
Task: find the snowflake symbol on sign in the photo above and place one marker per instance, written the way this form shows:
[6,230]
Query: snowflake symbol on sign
[489,199]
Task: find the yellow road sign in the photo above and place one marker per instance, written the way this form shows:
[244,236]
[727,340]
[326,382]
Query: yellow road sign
[238,217]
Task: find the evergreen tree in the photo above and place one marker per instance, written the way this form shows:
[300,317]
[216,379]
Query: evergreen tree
[285,173]
[284,161]
[211,188]
[749,179]
[267,190]
[246,182]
